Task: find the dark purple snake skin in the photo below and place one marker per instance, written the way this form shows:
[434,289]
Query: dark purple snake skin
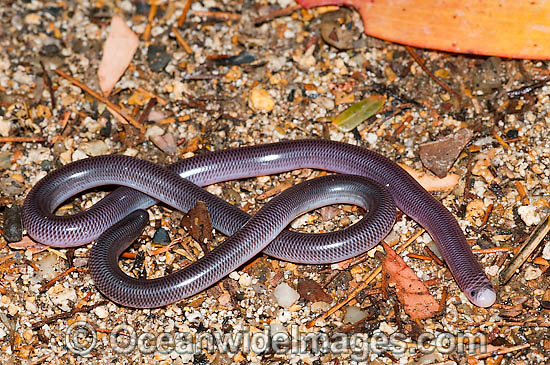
[225,165]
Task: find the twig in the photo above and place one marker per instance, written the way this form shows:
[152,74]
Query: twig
[150,18]
[64,315]
[182,41]
[433,256]
[500,351]
[48,83]
[46,286]
[101,98]
[143,117]
[431,75]
[222,15]
[532,242]
[32,139]
[277,13]
[184,12]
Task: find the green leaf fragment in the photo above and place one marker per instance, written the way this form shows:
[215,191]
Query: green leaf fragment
[359,112]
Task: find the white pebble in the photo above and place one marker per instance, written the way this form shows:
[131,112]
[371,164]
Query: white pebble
[78,155]
[532,273]
[245,280]
[5,127]
[101,312]
[354,314]
[546,251]
[529,215]
[285,295]
[234,275]
[154,130]
[95,148]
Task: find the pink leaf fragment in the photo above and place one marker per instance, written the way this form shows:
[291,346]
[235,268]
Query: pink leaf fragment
[417,301]
[118,51]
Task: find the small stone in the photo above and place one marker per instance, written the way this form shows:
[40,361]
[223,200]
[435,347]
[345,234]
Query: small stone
[31,306]
[439,156]
[259,100]
[60,296]
[5,127]
[101,312]
[154,130]
[354,314]
[532,273]
[161,236]
[285,295]
[5,160]
[166,143]
[32,19]
[529,215]
[27,336]
[13,228]
[95,148]
[245,280]
[78,155]
[157,57]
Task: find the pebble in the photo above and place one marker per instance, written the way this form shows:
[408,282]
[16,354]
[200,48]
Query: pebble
[354,314]
[78,155]
[259,100]
[95,148]
[532,273]
[5,160]
[12,228]
[157,57]
[5,127]
[11,187]
[529,215]
[60,296]
[101,312]
[154,130]
[245,280]
[546,251]
[31,307]
[161,236]
[285,295]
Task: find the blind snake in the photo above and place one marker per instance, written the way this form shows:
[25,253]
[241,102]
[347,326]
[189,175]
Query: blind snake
[368,179]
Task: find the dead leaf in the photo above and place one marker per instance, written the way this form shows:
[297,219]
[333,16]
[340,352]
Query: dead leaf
[417,301]
[312,291]
[439,156]
[118,51]
[197,222]
[431,182]
[28,243]
[507,28]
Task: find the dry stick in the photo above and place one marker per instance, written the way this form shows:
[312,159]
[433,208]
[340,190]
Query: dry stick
[221,15]
[46,286]
[64,315]
[182,41]
[500,351]
[33,139]
[532,242]
[150,18]
[184,12]
[277,13]
[365,283]
[101,98]
[48,83]
[143,117]
[432,76]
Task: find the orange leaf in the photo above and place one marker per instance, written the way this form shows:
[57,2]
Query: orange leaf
[506,28]
[417,301]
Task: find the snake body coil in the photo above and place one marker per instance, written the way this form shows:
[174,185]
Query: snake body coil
[118,218]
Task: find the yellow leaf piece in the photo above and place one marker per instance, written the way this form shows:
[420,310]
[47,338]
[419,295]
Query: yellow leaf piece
[359,112]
